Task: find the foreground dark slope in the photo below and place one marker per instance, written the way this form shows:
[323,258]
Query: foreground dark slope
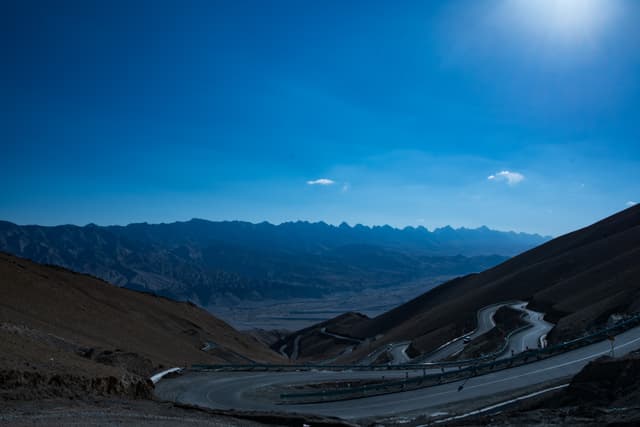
[85,332]
[578,279]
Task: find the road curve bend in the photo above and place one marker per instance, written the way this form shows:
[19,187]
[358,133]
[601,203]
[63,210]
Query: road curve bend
[485,324]
[241,390]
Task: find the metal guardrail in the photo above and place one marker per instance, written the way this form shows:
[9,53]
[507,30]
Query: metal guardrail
[310,367]
[471,367]
[382,367]
[421,381]
[467,372]
[417,365]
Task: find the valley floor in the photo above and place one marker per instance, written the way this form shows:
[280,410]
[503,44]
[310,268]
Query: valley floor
[298,313]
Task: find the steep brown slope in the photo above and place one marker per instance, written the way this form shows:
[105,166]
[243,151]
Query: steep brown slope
[578,279]
[56,323]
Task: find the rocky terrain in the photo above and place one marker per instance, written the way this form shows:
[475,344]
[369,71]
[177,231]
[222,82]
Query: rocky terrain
[109,411]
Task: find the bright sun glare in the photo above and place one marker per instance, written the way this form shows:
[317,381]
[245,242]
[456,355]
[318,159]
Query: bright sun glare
[559,21]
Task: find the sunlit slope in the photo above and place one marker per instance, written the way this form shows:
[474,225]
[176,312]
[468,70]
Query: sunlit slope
[79,316]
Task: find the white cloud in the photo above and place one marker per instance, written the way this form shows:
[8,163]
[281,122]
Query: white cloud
[346,187]
[631,203]
[512,178]
[321,181]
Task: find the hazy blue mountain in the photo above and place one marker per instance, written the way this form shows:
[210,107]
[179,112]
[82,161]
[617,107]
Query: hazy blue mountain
[203,260]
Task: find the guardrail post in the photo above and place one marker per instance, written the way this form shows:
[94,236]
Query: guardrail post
[612,339]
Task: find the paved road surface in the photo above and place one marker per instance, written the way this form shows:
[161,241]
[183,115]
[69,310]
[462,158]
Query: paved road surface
[528,338]
[518,343]
[227,390]
[340,337]
[398,353]
[485,323]
[296,348]
[282,350]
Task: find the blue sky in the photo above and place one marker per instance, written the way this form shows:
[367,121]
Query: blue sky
[514,114]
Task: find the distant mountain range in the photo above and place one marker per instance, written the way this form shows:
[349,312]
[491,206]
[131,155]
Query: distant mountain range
[205,261]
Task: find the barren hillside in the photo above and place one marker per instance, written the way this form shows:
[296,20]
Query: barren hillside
[56,323]
[579,280]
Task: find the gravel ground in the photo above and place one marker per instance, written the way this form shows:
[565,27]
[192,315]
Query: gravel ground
[109,412]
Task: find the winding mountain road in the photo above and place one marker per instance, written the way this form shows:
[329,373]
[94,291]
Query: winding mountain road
[296,348]
[340,337]
[397,351]
[238,390]
[530,338]
[485,324]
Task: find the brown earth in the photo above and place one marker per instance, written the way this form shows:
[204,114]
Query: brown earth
[578,279]
[606,382]
[64,334]
[268,337]
[108,411]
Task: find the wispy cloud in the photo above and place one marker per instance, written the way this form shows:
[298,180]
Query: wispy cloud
[346,187]
[511,178]
[321,181]
[631,203]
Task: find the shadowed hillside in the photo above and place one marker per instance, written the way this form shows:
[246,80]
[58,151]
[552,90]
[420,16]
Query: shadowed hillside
[579,279]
